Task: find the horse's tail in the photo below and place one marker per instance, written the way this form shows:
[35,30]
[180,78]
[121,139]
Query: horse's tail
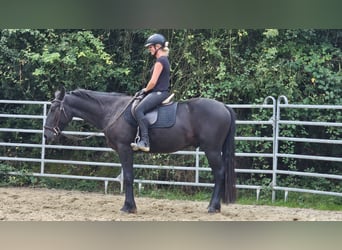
[228,154]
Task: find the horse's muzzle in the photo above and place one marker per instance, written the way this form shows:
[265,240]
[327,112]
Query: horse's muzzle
[50,135]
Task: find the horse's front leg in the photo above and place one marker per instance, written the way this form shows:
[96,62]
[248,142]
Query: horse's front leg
[126,159]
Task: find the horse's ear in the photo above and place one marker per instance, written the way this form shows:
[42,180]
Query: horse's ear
[60,94]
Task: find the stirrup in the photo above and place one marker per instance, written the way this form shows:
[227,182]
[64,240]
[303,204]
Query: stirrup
[137,140]
[134,146]
[137,147]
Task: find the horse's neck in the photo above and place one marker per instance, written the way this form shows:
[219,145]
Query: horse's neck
[97,113]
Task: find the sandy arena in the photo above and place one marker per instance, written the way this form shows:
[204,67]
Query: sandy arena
[32,204]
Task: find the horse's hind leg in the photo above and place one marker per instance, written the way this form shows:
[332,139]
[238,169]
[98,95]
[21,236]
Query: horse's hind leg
[216,164]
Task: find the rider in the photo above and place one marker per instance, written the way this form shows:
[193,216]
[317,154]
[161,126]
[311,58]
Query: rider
[156,90]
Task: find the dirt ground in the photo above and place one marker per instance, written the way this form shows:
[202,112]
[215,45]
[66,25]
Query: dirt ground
[28,204]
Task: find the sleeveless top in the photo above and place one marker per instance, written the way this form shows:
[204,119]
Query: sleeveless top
[163,82]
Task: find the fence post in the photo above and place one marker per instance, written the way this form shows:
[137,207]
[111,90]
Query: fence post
[275,143]
[197,165]
[42,166]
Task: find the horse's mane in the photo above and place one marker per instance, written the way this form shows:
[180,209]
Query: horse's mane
[93,94]
[102,98]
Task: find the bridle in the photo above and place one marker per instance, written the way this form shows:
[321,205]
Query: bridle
[55,129]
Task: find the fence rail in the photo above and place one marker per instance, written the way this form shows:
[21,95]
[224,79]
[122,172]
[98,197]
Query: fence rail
[273,124]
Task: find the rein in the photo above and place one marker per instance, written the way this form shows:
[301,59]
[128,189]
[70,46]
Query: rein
[118,115]
[77,138]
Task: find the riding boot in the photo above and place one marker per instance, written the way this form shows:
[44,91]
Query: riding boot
[144,143]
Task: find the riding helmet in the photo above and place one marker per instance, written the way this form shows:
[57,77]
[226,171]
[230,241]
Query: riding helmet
[155,39]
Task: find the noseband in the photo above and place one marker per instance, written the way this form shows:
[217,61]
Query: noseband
[55,129]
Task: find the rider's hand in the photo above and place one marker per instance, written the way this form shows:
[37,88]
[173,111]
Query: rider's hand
[140,92]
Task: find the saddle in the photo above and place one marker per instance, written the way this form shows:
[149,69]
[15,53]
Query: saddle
[163,116]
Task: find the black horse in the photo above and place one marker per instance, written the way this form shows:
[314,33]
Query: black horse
[200,122]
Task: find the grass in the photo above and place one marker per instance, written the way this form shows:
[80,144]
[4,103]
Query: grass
[298,200]
[248,197]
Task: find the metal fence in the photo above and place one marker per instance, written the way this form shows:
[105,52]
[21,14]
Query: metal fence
[283,104]
[272,127]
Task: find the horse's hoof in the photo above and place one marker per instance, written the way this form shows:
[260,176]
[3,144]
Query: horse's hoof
[212,210]
[129,211]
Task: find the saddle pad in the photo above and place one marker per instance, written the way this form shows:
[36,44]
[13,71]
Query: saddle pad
[166,116]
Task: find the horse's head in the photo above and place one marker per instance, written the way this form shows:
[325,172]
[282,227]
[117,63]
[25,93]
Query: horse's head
[57,117]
